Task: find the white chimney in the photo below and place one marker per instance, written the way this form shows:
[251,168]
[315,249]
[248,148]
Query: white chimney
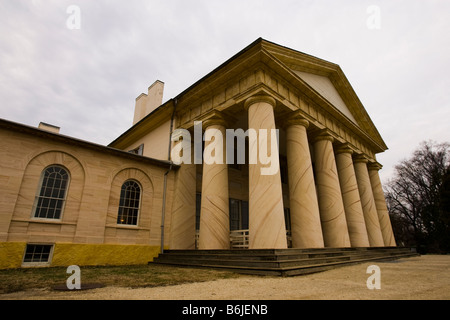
[146,103]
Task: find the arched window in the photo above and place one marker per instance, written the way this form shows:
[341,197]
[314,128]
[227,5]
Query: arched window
[130,196]
[50,201]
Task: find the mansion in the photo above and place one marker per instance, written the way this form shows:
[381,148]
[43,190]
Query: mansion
[66,201]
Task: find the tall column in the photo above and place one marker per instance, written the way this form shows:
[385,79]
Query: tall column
[368,202]
[182,226]
[350,196]
[266,213]
[305,217]
[332,214]
[214,216]
[380,204]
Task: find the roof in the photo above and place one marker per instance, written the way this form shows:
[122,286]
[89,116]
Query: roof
[18,127]
[320,80]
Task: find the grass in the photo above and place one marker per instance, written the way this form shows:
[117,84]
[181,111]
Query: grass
[13,280]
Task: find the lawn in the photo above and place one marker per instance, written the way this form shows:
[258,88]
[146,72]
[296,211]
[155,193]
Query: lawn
[13,280]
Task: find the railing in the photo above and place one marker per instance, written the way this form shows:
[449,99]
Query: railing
[239,239]
[197,235]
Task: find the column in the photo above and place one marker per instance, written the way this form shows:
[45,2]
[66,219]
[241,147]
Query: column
[182,226]
[214,215]
[380,204]
[266,213]
[332,214]
[350,196]
[305,217]
[368,202]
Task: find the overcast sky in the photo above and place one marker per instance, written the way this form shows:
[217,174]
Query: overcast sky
[84,75]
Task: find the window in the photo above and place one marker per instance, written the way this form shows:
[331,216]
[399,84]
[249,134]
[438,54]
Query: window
[52,195]
[287,219]
[139,150]
[198,206]
[130,195]
[238,214]
[37,254]
[283,170]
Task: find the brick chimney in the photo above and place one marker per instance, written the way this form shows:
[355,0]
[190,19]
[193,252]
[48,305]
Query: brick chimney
[48,127]
[146,103]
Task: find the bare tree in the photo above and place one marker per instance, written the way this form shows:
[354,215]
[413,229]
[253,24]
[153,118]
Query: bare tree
[417,198]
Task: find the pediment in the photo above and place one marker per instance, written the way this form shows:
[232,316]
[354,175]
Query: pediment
[327,81]
[318,81]
[326,89]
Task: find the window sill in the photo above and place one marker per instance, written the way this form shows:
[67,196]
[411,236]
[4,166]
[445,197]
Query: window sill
[124,226]
[45,221]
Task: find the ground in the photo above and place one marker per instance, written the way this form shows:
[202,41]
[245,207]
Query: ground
[424,278]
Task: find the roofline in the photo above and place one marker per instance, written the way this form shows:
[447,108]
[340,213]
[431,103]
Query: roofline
[178,96]
[266,45]
[18,127]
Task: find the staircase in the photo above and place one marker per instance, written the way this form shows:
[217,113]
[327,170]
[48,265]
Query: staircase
[280,262]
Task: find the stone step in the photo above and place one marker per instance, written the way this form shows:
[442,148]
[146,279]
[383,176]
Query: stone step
[295,270]
[283,262]
[290,250]
[272,263]
[286,255]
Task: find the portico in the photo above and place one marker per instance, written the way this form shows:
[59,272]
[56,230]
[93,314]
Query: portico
[321,193]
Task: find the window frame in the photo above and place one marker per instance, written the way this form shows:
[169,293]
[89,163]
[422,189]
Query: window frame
[241,216]
[38,263]
[122,207]
[39,190]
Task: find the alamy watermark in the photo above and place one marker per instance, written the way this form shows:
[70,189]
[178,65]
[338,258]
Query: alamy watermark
[373,21]
[213,153]
[73,21]
[373,281]
[74,281]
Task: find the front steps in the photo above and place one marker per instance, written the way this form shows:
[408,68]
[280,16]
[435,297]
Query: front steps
[280,262]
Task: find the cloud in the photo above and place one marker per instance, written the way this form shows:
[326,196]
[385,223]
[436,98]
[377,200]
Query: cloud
[86,80]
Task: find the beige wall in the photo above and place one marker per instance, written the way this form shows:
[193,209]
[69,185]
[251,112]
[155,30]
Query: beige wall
[156,142]
[91,207]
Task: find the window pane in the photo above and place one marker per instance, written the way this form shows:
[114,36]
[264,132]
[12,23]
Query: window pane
[234,214]
[198,204]
[244,214]
[129,203]
[37,253]
[52,193]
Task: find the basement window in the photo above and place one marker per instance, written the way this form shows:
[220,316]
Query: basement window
[37,254]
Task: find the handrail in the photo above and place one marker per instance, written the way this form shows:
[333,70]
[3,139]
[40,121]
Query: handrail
[239,239]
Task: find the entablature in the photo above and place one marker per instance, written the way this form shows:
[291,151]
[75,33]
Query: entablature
[229,99]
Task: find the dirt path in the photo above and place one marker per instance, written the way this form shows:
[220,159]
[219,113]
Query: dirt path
[424,277]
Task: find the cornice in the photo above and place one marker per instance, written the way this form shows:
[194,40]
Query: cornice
[265,67]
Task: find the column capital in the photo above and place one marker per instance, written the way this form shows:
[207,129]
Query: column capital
[259,98]
[374,166]
[360,158]
[295,118]
[215,118]
[324,134]
[344,148]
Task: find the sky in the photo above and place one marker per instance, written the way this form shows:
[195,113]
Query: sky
[80,64]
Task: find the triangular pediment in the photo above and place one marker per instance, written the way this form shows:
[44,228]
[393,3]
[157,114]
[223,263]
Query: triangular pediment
[326,89]
[316,81]
[327,81]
